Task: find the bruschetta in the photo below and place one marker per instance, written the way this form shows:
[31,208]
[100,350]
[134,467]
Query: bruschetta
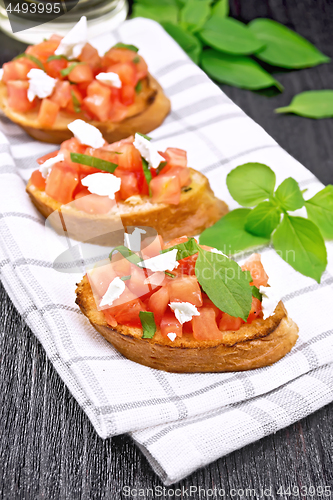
[165,308]
[93,184]
[52,83]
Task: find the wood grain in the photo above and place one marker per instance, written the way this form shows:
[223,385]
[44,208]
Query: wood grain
[48,448]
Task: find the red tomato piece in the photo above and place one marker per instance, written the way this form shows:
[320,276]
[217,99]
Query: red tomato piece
[187,265]
[127,308]
[183,174]
[127,95]
[206,302]
[204,326]
[175,157]
[111,320]
[37,180]
[90,56]
[43,50]
[165,189]
[129,184]
[61,183]
[18,96]
[118,55]
[228,322]
[98,100]
[126,72]
[141,67]
[129,159]
[55,66]
[170,324]
[100,279]
[158,303]
[151,246]
[136,283]
[16,70]
[256,310]
[48,113]
[121,265]
[175,241]
[81,73]
[185,289]
[43,159]
[61,94]
[254,265]
[76,92]
[93,203]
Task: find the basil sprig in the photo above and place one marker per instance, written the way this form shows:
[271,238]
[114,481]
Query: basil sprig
[92,161]
[33,59]
[69,69]
[56,58]
[76,103]
[127,46]
[132,257]
[298,240]
[148,324]
[147,173]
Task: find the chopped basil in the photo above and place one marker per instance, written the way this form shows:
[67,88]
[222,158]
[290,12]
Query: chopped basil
[33,59]
[91,161]
[186,249]
[170,274]
[138,86]
[148,324]
[125,278]
[54,58]
[145,136]
[161,166]
[136,60]
[121,45]
[76,103]
[127,253]
[255,293]
[66,71]
[186,189]
[147,173]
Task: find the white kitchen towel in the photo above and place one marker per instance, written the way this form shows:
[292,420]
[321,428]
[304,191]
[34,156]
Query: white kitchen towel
[180,421]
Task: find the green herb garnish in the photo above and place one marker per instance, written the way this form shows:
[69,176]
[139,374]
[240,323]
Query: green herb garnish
[148,324]
[136,60]
[255,293]
[127,254]
[169,274]
[147,173]
[91,161]
[66,71]
[76,103]
[121,45]
[145,136]
[311,104]
[125,278]
[138,86]
[55,58]
[161,166]
[186,249]
[33,59]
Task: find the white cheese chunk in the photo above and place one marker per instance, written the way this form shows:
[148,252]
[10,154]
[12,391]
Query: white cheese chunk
[164,262]
[102,184]
[184,311]
[172,336]
[1,73]
[148,151]
[111,79]
[72,44]
[115,289]
[40,84]
[133,240]
[155,279]
[86,134]
[48,164]
[270,300]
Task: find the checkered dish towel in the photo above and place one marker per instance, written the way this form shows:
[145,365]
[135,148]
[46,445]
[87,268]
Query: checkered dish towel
[179,421]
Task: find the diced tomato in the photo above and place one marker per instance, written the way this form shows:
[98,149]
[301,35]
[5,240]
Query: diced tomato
[129,183]
[93,203]
[43,159]
[158,303]
[118,110]
[170,324]
[165,189]
[204,326]
[127,95]
[254,265]
[55,66]
[90,55]
[18,96]
[44,49]
[127,308]
[256,310]
[77,94]
[118,55]
[16,70]
[48,113]
[136,283]
[175,157]
[111,320]
[126,72]
[62,93]
[183,174]
[151,246]
[100,278]
[141,67]
[74,146]
[121,265]
[185,289]
[187,265]
[129,159]
[61,183]
[81,73]
[206,302]
[175,241]
[98,100]
[228,322]
[38,180]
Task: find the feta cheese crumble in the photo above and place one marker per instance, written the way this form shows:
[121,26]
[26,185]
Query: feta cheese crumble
[115,289]
[48,164]
[111,79]
[164,262]
[270,300]
[102,184]
[147,150]
[72,44]
[171,336]
[40,84]
[86,134]
[133,240]
[184,311]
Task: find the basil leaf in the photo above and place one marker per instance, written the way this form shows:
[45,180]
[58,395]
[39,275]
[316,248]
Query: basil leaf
[221,8]
[55,58]
[255,293]
[284,47]
[225,283]
[299,242]
[263,219]
[229,35]
[138,86]
[121,45]
[76,103]
[148,324]
[188,42]
[66,71]
[186,249]
[160,167]
[91,161]
[147,173]
[31,58]
[127,253]
[158,11]
[240,71]
[144,135]
[289,195]
[251,183]
[169,274]
[320,211]
[229,234]
[194,14]
[311,104]
[125,278]
[136,60]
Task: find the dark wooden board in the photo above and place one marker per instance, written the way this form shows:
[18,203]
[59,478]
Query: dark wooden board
[48,448]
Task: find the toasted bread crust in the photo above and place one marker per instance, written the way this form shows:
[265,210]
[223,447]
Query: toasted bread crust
[198,209]
[150,108]
[259,344]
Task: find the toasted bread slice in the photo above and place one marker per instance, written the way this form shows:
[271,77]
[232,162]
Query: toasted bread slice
[147,113]
[261,343]
[198,209]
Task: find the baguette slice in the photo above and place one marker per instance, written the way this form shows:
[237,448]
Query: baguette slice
[147,113]
[197,210]
[261,343]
